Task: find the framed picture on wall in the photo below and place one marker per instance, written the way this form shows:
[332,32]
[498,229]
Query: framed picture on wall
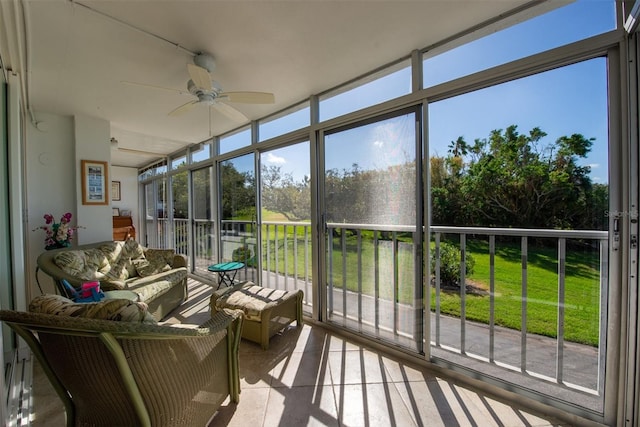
[95,178]
[115,190]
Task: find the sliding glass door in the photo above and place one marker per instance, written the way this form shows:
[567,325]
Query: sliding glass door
[285,219]
[203,220]
[238,219]
[372,253]
[519,231]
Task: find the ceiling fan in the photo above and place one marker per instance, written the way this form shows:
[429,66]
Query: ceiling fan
[209,93]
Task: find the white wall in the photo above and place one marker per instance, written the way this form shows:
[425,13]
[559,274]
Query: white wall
[53,184]
[93,143]
[50,182]
[128,178]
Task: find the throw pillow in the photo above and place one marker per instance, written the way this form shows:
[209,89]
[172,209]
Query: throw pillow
[119,269]
[132,249]
[112,250]
[158,256]
[131,269]
[145,267]
[120,310]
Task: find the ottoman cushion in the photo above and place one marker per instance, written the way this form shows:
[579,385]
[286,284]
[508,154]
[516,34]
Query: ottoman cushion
[251,299]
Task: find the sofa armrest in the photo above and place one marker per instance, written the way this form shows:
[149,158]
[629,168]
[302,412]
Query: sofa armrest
[46,263]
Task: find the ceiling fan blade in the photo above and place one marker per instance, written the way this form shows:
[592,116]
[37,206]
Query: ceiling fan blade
[181,92]
[230,112]
[249,97]
[200,76]
[183,108]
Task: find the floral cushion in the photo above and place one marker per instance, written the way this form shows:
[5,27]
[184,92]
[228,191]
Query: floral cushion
[109,309]
[112,250]
[132,249]
[119,270]
[155,261]
[159,256]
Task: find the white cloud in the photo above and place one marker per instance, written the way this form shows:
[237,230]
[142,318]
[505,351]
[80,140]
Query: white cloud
[378,143]
[272,158]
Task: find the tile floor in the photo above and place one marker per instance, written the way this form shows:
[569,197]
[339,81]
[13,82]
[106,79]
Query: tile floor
[311,377]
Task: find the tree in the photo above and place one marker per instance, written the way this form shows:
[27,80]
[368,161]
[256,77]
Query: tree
[238,192]
[511,179]
[282,194]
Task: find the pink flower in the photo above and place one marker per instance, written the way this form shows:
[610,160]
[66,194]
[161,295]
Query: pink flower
[66,218]
[60,234]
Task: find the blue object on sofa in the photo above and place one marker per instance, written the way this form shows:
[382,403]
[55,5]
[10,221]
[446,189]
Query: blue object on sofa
[76,296]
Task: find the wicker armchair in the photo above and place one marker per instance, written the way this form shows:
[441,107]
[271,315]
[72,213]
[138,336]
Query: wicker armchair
[111,373]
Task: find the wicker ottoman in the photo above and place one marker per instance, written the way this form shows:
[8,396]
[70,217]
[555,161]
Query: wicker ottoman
[266,311]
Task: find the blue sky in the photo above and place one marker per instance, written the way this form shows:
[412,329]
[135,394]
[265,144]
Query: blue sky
[561,102]
[564,101]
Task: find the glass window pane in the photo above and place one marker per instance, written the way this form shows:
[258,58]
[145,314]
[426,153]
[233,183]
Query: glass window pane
[238,226]
[180,206]
[234,141]
[288,122]
[178,162]
[286,220]
[368,165]
[203,227]
[238,188]
[530,155]
[568,24]
[180,191]
[368,93]
[201,152]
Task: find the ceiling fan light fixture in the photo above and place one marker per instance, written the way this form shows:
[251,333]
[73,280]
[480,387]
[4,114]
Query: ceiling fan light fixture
[207,98]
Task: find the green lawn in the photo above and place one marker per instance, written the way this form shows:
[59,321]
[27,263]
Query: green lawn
[582,291]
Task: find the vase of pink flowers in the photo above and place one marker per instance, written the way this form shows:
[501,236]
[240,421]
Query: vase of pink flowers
[58,234]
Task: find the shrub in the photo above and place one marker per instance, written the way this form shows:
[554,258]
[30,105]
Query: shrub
[241,254]
[450,264]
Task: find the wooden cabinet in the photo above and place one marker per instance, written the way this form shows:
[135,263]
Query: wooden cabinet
[123,228]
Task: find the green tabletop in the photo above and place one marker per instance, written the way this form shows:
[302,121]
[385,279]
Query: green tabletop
[226,266]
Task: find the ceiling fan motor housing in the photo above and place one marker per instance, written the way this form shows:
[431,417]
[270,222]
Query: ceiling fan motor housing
[205,61]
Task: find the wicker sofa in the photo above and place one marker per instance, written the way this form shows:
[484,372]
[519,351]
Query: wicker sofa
[119,369]
[157,276]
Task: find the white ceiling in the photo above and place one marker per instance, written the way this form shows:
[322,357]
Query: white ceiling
[77,58]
